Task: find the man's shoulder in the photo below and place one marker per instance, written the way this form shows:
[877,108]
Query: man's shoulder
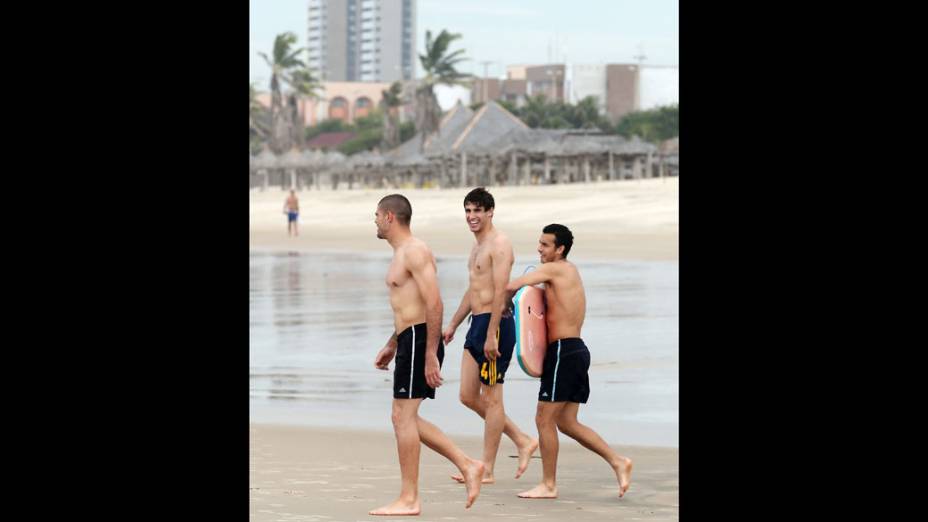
[501,237]
[416,250]
[558,267]
[501,241]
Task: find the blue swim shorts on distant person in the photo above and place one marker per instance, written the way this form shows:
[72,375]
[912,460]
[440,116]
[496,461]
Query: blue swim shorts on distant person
[291,216]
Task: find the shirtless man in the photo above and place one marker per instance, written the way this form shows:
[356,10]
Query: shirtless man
[491,338]
[292,210]
[565,380]
[417,308]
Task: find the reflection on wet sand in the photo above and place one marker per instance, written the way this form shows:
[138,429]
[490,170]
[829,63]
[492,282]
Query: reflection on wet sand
[318,319]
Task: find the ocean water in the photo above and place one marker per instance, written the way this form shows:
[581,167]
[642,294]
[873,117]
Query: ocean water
[317,321]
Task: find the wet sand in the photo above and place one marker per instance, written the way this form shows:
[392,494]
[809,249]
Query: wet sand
[333,473]
[610,220]
[320,474]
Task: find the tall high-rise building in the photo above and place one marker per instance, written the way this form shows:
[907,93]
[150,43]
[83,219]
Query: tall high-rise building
[362,40]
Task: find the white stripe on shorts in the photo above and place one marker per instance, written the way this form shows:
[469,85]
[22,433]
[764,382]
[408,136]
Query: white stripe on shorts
[412,365]
[554,385]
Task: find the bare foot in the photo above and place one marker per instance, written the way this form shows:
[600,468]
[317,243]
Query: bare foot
[485,480]
[540,491]
[398,507]
[623,472]
[525,456]
[472,479]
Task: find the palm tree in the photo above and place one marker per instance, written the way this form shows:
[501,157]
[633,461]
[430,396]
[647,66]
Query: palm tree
[283,61]
[390,103]
[258,117]
[439,69]
[304,85]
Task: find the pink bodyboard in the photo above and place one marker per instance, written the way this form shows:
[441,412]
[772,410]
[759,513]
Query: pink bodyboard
[531,329]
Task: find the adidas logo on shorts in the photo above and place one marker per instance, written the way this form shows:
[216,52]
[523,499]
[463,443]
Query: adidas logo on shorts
[544,394]
[402,390]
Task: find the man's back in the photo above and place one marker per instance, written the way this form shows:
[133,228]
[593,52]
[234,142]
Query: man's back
[566,301]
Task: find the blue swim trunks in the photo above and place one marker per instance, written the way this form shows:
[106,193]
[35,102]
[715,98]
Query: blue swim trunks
[491,372]
[291,216]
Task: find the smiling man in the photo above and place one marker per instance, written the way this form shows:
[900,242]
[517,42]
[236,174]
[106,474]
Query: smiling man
[490,339]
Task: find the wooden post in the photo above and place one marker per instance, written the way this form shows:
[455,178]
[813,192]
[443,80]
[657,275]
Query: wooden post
[512,167]
[444,173]
[527,171]
[586,169]
[611,167]
[636,167]
[649,171]
[463,169]
[547,169]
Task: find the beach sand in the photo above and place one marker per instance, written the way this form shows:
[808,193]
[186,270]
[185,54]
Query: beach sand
[318,474]
[610,220]
[333,474]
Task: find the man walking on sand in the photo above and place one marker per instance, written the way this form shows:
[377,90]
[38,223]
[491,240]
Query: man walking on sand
[565,380]
[491,337]
[292,210]
[416,344]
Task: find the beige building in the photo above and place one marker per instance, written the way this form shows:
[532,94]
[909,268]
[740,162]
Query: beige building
[345,101]
[617,87]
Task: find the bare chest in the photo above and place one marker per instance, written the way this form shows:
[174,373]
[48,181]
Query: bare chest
[397,276]
[480,262]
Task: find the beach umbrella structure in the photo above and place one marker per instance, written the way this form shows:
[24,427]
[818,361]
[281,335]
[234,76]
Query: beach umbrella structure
[669,157]
[482,139]
[332,164]
[492,146]
[426,154]
[635,151]
[263,164]
[291,161]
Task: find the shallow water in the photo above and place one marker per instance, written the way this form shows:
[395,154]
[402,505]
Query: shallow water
[317,321]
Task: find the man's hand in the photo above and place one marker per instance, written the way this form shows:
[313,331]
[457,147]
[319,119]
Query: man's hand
[448,334]
[491,348]
[384,356]
[432,371]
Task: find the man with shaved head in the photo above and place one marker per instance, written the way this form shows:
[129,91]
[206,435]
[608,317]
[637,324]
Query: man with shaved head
[412,281]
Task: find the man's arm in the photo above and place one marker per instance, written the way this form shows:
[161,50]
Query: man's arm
[457,318]
[386,354]
[501,260]
[542,274]
[419,264]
